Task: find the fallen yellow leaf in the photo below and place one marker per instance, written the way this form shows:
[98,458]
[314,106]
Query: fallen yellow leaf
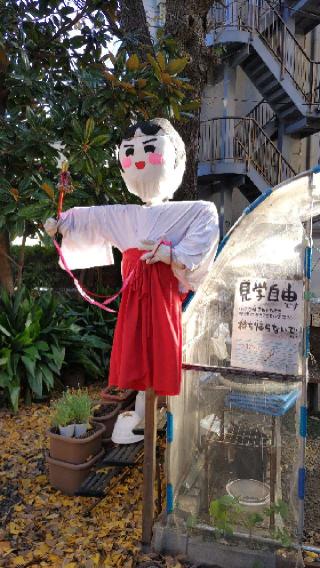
[18,561]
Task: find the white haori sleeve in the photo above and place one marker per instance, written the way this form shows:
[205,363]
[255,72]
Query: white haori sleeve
[197,250]
[89,234]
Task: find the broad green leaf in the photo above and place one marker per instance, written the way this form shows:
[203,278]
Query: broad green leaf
[4,379]
[32,352]
[5,331]
[100,140]
[176,65]
[47,375]
[89,129]
[42,346]
[29,364]
[133,63]
[35,382]
[160,57]
[14,392]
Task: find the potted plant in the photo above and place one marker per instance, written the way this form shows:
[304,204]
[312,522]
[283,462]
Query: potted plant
[81,410]
[71,458]
[63,418]
[106,413]
[74,408]
[122,396]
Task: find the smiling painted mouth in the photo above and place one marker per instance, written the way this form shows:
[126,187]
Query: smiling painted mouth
[140,165]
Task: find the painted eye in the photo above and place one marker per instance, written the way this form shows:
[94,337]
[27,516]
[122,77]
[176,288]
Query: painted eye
[129,152]
[149,148]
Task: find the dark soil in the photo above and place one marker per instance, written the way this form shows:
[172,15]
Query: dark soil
[312,498]
[105,409]
[94,428]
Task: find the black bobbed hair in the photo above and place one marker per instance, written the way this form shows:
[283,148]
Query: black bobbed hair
[152,127]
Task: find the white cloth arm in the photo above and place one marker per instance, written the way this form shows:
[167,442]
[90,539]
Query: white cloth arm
[196,251]
[201,236]
[88,235]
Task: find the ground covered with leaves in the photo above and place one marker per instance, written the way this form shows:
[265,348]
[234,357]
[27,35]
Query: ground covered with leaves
[42,527]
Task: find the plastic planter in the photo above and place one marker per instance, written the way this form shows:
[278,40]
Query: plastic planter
[69,477]
[122,396]
[75,450]
[108,419]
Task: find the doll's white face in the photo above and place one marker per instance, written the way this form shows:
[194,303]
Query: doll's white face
[148,166]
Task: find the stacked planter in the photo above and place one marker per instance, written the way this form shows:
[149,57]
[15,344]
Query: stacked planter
[109,407]
[124,397]
[71,459]
[106,413]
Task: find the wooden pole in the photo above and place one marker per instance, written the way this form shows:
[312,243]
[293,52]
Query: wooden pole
[149,466]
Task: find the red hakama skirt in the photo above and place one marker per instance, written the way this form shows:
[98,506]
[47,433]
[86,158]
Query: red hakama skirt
[147,345]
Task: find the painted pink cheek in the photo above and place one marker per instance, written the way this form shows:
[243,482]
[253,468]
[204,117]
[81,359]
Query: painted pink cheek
[155,159]
[126,162]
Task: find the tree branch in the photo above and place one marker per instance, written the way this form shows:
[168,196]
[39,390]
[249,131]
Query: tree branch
[66,27]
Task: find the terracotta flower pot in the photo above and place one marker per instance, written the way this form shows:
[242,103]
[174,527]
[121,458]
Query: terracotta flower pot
[106,413]
[76,450]
[122,396]
[69,477]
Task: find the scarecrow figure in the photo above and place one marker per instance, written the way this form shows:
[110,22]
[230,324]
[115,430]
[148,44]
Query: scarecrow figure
[167,247]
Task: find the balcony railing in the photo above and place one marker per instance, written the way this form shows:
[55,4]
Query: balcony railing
[260,17]
[235,139]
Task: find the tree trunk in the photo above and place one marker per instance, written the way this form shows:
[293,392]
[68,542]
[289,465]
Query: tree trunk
[186,22]
[134,26]
[6,276]
[21,261]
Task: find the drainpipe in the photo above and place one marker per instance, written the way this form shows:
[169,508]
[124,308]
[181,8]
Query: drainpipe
[308,142]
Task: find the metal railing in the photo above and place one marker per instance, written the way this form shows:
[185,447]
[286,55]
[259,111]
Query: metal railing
[234,139]
[260,17]
[262,113]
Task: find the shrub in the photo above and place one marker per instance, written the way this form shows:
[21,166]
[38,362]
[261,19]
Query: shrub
[31,354]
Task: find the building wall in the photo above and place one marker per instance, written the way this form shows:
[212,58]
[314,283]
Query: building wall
[236,95]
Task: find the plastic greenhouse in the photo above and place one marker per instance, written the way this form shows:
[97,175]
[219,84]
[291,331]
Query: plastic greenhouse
[236,433]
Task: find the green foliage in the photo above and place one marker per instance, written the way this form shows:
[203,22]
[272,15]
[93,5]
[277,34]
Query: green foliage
[226,513]
[62,414]
[279,508]
[40,333]
[251,520]
[60,84]
[81,405]
[89,342]
[74,407]
[30,353]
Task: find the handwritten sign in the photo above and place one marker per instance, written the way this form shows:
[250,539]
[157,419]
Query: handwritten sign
[267,327]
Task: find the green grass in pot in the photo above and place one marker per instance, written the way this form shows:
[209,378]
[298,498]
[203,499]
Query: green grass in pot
[81,405]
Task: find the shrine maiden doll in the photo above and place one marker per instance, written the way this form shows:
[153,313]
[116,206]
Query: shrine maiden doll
[167,249]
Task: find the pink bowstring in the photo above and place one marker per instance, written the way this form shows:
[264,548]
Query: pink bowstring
[109,299]
[81,291]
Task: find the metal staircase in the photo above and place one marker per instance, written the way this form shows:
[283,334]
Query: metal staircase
[273,59]
[306,14]
[239,149]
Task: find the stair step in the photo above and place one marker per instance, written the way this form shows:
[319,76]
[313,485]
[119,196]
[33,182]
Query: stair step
[122,455]
[97,482]
[264,79]
[255,68]
[272,88]
[279,96]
